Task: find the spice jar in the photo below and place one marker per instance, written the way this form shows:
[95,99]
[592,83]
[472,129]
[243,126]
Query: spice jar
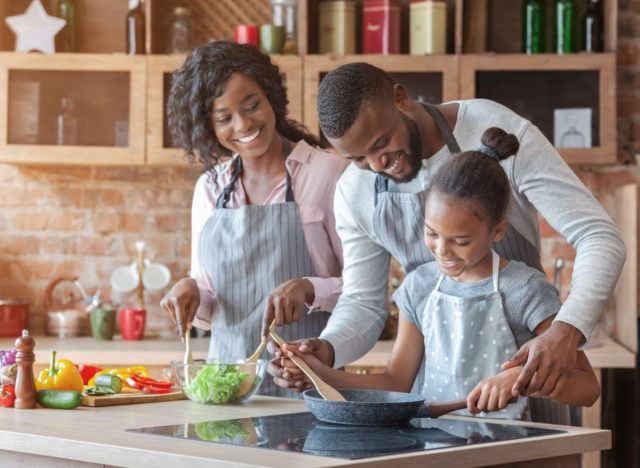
[380,27]
[337,27]
[180,27]
[428,27]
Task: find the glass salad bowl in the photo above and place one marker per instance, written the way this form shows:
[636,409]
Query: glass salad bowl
[215,382]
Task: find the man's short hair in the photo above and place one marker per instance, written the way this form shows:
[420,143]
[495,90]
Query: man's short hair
[343,91]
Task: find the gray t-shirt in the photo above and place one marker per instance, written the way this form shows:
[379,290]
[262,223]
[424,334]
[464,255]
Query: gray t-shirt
[528,298]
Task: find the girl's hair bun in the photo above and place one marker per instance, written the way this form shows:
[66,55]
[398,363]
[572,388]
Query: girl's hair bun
[503,143]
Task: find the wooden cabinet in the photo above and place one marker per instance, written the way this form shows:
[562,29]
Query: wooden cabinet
[535,85]
[72,108]
[532,85]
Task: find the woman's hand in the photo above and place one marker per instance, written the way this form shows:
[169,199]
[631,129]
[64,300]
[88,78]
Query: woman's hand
[181,303]
[494,393]
[286,303]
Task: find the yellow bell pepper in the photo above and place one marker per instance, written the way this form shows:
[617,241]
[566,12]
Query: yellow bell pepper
[61,375]
[123,372]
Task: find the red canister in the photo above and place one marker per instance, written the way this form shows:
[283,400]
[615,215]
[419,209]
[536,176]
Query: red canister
[13,316]
[381,27]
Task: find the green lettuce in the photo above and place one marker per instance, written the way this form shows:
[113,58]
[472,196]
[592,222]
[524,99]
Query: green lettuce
[216,383]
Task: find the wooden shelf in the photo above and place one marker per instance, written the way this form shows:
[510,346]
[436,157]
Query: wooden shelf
[109,90]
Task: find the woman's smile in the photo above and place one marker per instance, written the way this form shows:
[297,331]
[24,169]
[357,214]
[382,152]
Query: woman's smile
[251,138]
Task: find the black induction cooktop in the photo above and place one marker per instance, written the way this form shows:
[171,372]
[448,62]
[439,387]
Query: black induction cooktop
[302,432]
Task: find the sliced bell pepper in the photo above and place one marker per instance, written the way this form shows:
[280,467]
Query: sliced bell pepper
[61,375]
[87,371]
[7,396]
[148,381]
[155,390]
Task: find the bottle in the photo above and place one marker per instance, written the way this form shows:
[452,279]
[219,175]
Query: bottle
[135,28]
[25,387]
[564,12]
[180,31]
[532,33]
[593,24]
[67,123]
[66,9]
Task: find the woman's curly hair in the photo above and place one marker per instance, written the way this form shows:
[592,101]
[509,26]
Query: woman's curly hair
[202,79]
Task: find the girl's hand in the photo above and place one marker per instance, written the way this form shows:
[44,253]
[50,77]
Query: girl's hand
[494,393]
[181,303]
[285,373]
[286,303]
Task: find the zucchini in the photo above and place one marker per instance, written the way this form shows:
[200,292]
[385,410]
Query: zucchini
[59,399]
[111,382]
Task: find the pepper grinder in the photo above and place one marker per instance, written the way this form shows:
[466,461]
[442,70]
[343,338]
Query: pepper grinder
[25,384]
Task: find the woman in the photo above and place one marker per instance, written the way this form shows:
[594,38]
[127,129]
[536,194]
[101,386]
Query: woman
[263,235]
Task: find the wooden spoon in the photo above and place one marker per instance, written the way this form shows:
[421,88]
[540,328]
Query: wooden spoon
[188,357]
[250,369]
[324,389]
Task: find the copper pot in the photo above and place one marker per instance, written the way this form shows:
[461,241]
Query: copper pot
[13,316]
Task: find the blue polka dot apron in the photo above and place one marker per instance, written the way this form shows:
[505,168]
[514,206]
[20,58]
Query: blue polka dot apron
[465,341]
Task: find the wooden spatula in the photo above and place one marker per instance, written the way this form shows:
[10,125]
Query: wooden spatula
[324,389]
[251,369]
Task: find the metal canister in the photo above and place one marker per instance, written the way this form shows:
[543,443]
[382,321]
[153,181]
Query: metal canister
[337,33]
[428,27]
[381,27]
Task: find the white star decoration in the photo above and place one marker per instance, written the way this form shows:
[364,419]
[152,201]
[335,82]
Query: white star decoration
[35,29]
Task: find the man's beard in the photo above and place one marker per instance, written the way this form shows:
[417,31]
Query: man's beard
[414,156]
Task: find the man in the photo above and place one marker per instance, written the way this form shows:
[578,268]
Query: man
[396,144]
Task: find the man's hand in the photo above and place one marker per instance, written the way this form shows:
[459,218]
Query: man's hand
[286,303]
[284,371]
[550,358]
[492,394]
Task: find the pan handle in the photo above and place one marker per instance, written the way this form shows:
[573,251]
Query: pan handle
[435,410]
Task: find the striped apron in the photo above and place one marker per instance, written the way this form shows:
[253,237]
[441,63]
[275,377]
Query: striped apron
[247,252]
[398,221]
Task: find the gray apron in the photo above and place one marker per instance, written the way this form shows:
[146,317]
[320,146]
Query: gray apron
[465,341]
[247,252]
[398,221]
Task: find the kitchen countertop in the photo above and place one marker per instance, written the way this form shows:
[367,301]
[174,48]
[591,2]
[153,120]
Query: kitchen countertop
[95,436]
[161,351]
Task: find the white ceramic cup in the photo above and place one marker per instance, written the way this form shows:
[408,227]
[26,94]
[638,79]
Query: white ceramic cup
[156,276]
[125,279]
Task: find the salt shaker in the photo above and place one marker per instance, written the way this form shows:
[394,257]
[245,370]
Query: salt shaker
[25,387]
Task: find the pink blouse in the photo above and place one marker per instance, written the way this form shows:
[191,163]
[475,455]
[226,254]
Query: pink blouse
[314,174]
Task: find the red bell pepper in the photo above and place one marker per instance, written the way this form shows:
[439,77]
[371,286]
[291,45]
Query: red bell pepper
[7,396]
[87,371]
[150,382]
[155,390]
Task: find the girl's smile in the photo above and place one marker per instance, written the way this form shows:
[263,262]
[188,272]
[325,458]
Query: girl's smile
[458,238]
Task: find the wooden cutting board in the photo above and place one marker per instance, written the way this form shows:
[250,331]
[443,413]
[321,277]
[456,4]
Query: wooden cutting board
[131,398]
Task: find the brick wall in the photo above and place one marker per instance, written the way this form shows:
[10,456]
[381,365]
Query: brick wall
[84,221]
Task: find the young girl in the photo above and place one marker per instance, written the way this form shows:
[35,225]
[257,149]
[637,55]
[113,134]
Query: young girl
[463,315]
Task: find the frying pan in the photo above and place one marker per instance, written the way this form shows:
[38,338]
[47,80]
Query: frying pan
[376,407]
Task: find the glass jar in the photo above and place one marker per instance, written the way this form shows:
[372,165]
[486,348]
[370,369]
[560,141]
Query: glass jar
[180,31]
[285,14]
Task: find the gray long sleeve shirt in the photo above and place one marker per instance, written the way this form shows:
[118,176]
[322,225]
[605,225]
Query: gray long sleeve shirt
[541,182]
